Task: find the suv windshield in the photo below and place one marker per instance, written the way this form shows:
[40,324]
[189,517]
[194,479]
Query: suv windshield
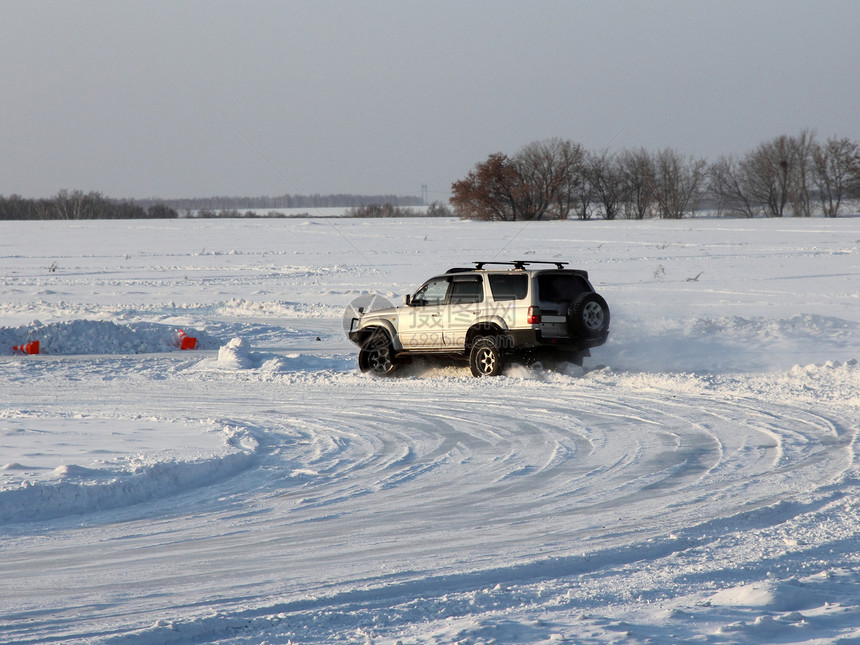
[561,287]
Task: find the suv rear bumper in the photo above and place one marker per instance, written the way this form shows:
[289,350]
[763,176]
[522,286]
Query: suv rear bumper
[532,338]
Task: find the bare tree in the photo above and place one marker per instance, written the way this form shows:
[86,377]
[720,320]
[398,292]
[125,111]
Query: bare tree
[768,170]
[69,205]
[836,164]
[800,180]
[779,173]
[551,177]
[604,177]
[541,178]
[729,186]
[571,159]
[637,176]
[585,198]
[678,183]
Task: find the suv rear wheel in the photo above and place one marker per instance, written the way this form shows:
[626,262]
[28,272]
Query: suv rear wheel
[485,358]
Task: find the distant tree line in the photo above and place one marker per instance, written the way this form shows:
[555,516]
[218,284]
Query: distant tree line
[559,179]
[283,201]
[436,209]
[76,205]
[79,205]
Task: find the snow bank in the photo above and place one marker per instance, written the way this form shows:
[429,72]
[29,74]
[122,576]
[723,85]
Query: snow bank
[100,337]
[148,460]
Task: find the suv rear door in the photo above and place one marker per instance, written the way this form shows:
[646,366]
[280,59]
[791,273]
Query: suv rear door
[510,298]
[556,290]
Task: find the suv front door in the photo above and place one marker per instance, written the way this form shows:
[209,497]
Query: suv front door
[421,324]
[464,305]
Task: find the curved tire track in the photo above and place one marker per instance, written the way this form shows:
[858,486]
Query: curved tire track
[423,487]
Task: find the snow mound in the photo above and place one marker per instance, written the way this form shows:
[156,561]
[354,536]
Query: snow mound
[100,337]
[816,369]
[772,595]
[238,355]
[832,380]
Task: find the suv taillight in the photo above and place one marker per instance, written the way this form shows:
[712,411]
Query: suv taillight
[534,316]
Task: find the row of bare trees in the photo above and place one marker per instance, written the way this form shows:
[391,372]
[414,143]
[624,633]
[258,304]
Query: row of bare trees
[238,203]
[788,175]
[559,179]
[76,205]
[435,209]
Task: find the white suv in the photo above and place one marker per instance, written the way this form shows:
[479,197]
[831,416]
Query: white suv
[487,316]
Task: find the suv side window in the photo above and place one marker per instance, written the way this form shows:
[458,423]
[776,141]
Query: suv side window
[509,286]
[432,293]
[467,290]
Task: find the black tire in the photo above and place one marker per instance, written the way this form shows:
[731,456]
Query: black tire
[485,358]
[376,355]
[588,316]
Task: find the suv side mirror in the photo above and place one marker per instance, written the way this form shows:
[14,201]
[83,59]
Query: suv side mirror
[407,300]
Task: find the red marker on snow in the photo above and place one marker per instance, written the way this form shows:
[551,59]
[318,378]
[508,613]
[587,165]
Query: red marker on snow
[186,342]
[30,348]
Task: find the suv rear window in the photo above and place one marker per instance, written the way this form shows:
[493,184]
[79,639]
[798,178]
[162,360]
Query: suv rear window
[509,286]
[559,287]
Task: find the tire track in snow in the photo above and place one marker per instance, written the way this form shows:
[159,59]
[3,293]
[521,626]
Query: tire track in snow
[430,488]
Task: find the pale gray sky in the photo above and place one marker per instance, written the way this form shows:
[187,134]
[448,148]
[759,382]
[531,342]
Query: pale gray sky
[177,99]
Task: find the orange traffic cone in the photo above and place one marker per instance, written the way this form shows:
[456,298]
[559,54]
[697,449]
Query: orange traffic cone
[30,348]
[186,342]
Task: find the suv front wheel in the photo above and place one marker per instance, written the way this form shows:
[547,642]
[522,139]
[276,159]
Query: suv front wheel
[486,359]
[376,355]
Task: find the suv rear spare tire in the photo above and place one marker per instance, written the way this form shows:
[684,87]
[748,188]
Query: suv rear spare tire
[588,316]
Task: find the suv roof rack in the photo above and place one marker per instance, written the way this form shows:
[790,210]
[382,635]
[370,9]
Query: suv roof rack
[520,265]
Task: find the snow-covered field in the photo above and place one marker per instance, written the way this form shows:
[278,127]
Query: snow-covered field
[696,481]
